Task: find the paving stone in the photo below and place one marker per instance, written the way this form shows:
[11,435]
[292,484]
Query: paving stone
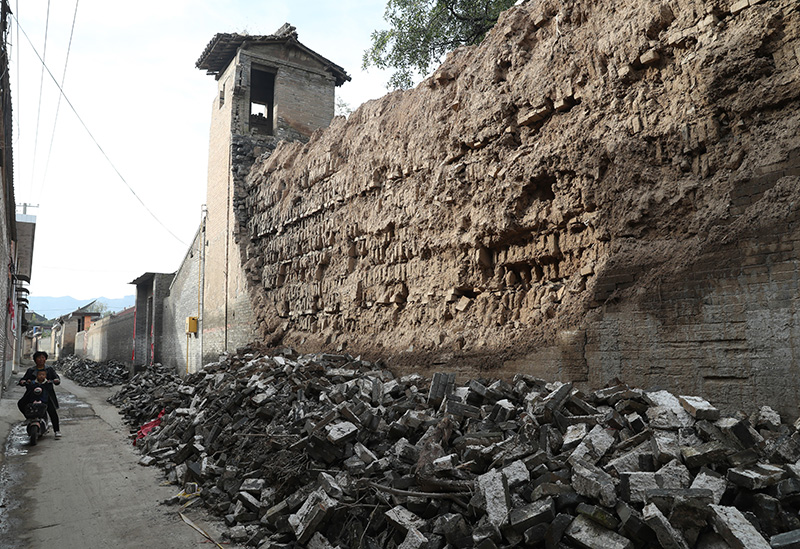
[403,519]
[414,540]
[587,533]
[311,515]
[713,481]
[494,491]
[699,408]
[786,540]
[668,536]
[590,481]
[756,477]
[542,511]
[731,524]
[709,453]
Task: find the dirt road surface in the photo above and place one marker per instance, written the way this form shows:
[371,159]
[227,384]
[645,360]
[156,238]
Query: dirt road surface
[87,489]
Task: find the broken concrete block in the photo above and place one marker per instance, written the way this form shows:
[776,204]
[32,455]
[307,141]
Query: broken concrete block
[311,515]
[542,511]
[516,473]
[741,431]
[668,536]
[441,385]
[403,519]
[330,485]
[249,501]
[633,526]
[414,540]
[364,453]
[756,477]
[318,541]
[462,410]
[786,540]
[252,485]
[739,532]
[454,528]
[667,400]
[342,432]
[673,475]
[493,489]
[592,482]
[664,445]
[594,446]
[699,408]
[705,454]
[587,533]
[630,462]
[599,515]
[574,435]
[785,489]
[710,480]
[634,486]
[766,418]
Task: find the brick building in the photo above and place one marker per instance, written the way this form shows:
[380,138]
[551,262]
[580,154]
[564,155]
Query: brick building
[148,325]
[13,292]
[269,88]
[66,328]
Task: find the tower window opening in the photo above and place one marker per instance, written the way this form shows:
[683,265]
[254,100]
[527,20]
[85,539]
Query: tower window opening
[262,101]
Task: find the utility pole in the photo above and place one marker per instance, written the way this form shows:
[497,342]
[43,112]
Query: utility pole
[25,206]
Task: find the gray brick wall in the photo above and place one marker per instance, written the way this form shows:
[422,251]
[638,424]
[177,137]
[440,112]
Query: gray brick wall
[183,301]
[303,102]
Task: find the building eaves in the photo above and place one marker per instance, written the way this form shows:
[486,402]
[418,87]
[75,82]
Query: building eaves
[221,50]
[146,277]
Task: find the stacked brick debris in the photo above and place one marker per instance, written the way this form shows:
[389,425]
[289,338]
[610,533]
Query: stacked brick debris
[329,450]
[89,373]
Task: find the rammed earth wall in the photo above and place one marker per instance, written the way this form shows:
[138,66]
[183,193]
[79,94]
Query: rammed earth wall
[601,189]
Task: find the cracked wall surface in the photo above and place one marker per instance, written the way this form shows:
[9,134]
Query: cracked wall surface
[599,190]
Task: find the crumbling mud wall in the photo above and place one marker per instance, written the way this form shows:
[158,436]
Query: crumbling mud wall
[601,189]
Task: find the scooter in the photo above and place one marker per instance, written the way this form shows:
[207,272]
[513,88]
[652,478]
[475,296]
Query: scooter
[36,419]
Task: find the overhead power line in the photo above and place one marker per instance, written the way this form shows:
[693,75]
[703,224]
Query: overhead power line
[58,105]
[41,85]
[85,127]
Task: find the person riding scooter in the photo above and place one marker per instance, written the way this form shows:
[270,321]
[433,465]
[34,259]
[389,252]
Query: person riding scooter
[33,405]
[40,358]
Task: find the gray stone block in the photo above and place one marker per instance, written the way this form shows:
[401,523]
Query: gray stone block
[737,531]
[668,536]
[587,533]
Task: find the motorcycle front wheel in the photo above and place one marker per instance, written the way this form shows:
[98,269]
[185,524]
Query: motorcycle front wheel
[33,431]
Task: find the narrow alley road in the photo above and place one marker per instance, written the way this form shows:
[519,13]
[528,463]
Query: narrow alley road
[87,489]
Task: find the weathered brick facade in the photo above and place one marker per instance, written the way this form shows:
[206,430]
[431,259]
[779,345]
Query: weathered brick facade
[294,88]
[184,300]
[151,290]
[584,196]
[108,338]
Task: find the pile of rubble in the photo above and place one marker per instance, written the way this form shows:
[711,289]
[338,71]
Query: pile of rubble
[89,373]
[326,450]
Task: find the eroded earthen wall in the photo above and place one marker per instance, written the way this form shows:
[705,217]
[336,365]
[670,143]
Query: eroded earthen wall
[600,189]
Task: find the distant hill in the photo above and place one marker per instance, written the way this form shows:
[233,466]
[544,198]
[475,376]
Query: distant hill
[54,307]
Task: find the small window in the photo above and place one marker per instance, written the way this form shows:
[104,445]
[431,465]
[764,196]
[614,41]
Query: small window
[222,96]
[262,101]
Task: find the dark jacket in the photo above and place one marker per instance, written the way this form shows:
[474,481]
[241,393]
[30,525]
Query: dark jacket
[30,396]
[30,375]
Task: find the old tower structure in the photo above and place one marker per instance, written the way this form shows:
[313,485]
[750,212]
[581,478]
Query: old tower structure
[269,88]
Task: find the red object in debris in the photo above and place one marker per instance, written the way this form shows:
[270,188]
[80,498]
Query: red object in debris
[145,429]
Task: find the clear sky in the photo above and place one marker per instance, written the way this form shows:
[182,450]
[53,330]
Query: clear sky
[130,76]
